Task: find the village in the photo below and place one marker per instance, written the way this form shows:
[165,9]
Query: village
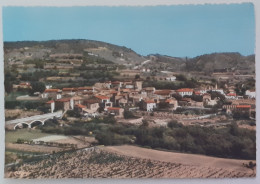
[116,97]
[129,90]
[112,99]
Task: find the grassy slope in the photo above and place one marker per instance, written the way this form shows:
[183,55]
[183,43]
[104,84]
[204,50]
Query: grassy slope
[12,136]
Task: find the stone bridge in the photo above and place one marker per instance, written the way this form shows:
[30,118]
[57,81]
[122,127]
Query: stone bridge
[29,121]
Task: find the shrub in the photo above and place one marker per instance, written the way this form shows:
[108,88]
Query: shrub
[128,114]
[73,113]
[174,124]
[12,104]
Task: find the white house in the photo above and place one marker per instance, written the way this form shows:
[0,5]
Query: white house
[149,105]
[250,93]
[231,96]
[48,86]
[185,92]
[173,78]
[104,101]
[221,91]
[203,91]
[52,93]
[52,105]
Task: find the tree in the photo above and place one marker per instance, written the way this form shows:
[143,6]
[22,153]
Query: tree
[197,98]
[215,94]
[137,76]
[9,80]
[144,123]
[37,87]
[128,114]
[181,77]
[234,129]
[174,124]
[177,96]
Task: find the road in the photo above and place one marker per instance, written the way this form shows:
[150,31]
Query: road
[143,63]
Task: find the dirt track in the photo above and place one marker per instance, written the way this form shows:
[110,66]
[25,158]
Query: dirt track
[181,158]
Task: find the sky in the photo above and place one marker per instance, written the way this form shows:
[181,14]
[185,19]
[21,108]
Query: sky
[179,30]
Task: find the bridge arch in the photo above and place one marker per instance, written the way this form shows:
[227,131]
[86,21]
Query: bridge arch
[47,119]
[22,124]
[35,121]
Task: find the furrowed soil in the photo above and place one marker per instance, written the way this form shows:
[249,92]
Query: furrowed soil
[130,162]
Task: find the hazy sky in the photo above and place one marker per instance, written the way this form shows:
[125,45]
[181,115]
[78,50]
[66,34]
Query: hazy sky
[188,30]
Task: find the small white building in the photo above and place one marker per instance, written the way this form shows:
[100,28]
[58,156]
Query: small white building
[52,105]
[250,93]
[221,91]
[231,96]
[185,92]
[203,91]
[149,105]
[52,93]
[48,86]
[146,70]
[173,78]
[129,86]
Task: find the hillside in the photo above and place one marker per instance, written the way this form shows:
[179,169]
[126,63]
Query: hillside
[219,61]
[121,55]
[214,62]
[42,50]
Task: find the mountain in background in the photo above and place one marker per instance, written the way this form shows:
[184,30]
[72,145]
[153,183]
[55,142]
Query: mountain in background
[122,55]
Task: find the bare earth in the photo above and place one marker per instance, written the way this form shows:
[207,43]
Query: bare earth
[19,113]
[182,158]
[31,148]
[130,162]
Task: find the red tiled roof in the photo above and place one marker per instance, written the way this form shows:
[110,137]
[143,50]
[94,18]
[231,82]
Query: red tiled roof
[206,94]
[149,101]
[113,108]
[231,94]
[116,82]
[63,100]
[102,97]
[186,99]
[51,90]
[197,92]
[88,92]
[77,98]
[25,84]
[49,102]
[162,92]
[126,90]
[85,88]
[244,106]
[169,100]
[68,89]
[80,106]
[184,90]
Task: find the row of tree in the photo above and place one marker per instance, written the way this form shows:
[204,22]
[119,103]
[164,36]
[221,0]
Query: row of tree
[231,142]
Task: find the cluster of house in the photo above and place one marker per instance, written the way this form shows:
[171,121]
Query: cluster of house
[113,97]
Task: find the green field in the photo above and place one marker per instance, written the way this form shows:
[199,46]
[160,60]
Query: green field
[27,134]
[12,96]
